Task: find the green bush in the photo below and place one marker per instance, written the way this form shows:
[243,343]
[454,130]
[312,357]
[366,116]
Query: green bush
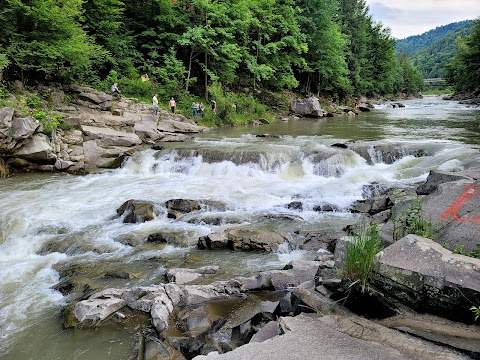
[33,100]
[131,87]
[411,221]
[360,255]
[234,108]
[50,122]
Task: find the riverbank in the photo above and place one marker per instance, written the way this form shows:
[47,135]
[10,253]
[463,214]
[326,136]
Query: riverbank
[79,130]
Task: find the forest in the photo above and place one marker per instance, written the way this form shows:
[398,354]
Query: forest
[431,51]
[330,48]
[464,70]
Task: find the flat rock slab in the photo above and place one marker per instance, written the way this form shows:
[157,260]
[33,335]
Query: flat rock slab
[110,137]
[432,263]
[309,338]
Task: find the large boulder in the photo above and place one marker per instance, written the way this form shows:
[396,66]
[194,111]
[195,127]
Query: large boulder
[135,211]
[6,117]
[96,156]
[309,107]
[38,149]
[423,275]
[178,207]
[252,239]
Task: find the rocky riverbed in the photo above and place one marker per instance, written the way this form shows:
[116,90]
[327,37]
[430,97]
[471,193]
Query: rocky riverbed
[417,304]
[418,301]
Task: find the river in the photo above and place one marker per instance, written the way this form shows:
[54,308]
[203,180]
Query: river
[50,222]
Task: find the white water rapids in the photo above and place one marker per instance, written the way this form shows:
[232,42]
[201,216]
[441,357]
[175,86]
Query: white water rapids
[40,210]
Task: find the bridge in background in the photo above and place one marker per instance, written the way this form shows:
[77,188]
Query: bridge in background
[435,82]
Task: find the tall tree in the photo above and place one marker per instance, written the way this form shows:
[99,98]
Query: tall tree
[44,39]
[327,70]
[464,70]
[103,21]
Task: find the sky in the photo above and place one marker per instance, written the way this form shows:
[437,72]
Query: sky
[414,17]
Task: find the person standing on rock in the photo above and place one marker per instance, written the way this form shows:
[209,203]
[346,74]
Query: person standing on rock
[155,104]
[194,110]
[115,91]
[214,106]
[173,104]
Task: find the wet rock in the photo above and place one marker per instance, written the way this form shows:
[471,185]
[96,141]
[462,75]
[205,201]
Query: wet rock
[194,321]
[153,348]
[186,276]
[250,239]
[213,241]
[372,205]
[161,238]
[143,298]
[98,307]
[435,178]
[387,153]
[295,205]
[321,239]
[179,207]
[135,211]
[326,208]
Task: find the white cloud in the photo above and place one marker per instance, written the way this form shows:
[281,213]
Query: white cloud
[413,17]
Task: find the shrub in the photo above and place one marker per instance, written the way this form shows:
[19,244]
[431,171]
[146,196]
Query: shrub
[234,108]
[32,100]
[360,255]
[411,221]
[50,122]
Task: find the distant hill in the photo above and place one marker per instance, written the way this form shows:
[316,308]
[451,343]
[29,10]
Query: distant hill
[432,50]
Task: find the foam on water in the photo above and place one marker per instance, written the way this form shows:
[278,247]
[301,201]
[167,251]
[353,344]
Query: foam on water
[81,211]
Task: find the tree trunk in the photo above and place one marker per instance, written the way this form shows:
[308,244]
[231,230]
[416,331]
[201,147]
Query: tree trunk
[190,59]
[206,75]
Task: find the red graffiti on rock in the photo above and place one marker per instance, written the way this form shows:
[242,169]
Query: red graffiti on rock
[455,208]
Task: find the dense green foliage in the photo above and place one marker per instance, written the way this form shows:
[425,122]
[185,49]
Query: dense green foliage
[418,43]
[464,70]
[433,50]
[329,47]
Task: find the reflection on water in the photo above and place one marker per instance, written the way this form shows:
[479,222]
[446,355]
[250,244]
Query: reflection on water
[50,224]
[431,119]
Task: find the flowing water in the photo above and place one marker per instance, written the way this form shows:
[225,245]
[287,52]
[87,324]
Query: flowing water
[50,222]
